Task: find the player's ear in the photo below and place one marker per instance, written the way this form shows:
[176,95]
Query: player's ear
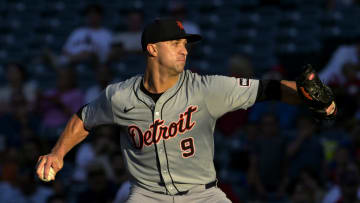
[151,49]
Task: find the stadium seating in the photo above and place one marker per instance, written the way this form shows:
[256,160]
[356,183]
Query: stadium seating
[243,26]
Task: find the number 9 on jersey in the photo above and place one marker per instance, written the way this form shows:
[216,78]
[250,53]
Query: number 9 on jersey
[187,147]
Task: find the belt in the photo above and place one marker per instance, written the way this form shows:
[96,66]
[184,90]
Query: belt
[211,184]
[207,186]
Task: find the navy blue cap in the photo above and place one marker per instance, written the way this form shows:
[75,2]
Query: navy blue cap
[164,30]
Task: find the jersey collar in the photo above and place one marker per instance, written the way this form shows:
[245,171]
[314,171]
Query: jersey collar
[164,97]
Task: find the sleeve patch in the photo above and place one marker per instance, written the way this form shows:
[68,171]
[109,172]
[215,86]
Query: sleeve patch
[244,82]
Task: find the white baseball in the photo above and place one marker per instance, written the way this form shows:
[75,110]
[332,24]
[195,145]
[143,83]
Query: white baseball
[50,177]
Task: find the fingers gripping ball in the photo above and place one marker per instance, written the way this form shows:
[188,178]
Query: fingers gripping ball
[50,177]
[315,94]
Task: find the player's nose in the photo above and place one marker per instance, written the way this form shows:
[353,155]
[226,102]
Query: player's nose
[183,50]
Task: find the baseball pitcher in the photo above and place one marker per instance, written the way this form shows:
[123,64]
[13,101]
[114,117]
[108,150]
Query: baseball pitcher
[169,115]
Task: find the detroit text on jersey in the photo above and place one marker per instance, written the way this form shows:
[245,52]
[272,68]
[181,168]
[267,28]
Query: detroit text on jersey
[151,135]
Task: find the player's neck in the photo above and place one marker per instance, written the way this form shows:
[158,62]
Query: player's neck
[156,81]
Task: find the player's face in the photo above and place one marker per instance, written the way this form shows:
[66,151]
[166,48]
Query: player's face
[172,55]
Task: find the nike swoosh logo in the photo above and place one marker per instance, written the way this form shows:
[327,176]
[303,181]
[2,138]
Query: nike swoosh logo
[128,109]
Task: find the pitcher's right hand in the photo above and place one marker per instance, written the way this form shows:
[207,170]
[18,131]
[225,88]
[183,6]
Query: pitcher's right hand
[45,162]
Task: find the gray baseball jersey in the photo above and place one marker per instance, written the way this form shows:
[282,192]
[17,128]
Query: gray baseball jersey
[169,145]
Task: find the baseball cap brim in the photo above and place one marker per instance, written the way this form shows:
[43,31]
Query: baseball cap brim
[192,38]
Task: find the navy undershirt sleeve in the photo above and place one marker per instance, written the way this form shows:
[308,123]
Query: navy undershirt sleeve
[269,90]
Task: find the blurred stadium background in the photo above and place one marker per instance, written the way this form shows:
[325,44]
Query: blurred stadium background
[250,38]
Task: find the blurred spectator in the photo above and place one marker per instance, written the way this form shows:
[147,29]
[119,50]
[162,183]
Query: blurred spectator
[89,43]
[332,73]
[27,189]
[56,199]
[357,111]
[333,137]
[123,193]
[98,150]
[235,183]
[59,104]
[10,166]
[267,173]
[29,152]
[284,112]
[276,72]
[355,144]
[121,179]
[30,190]
[240,66]
[17,83]
[306,188]
[59,188]
[305,149]
[177,9]
[240,149]
[228,124]
[19,123]
[352,81]
[126,48]
[339,4]
[130,39]
[20,184]
[347,190]
[103,76]
[339,163]
[100,189]
[347,94]
[230,192]
[118,167]
[116,54]
[8,192]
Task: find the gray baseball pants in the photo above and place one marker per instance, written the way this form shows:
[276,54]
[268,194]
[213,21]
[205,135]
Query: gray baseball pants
[199,195]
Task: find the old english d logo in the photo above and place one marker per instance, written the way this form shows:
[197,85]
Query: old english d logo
[179,24]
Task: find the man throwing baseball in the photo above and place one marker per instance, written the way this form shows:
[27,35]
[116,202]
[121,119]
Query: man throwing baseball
[169,115]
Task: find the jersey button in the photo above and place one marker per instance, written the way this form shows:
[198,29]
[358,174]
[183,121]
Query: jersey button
[164,171]
[170,187]
[161,150]
[157,113]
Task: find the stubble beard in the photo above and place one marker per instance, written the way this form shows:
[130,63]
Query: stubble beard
[177,69]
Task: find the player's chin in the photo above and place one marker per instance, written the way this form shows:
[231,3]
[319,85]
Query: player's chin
[182,64]
[180,68]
